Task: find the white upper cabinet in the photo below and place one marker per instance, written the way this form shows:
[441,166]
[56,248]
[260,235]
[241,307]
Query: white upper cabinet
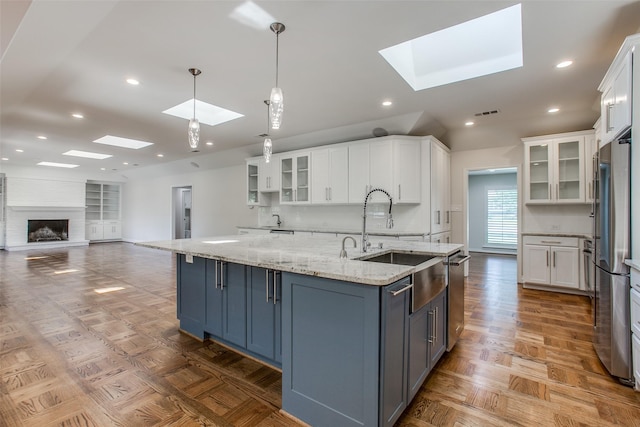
[391,164]
[615,105]
[253,194]
[406,171]
[295,178]
[590,149]
[329,175]
[269,175]
[440,186]
[555,169]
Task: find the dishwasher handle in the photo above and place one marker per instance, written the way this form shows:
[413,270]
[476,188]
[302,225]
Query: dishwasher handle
[459,261]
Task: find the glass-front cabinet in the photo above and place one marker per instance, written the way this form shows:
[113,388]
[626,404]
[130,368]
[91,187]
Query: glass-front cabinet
[253,195]
[554,170]
[294,179]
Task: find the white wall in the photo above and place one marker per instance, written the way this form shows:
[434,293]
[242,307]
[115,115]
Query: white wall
[218,204]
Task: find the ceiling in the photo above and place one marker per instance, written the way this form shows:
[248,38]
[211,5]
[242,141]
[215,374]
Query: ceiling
[61,57]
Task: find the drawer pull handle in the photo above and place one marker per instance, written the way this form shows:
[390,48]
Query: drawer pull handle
[551,242]
[398,292]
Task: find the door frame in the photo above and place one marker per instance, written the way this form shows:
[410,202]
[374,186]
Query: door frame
[176,208]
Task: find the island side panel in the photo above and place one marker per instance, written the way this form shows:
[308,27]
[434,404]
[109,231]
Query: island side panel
[330,345]
[191,278]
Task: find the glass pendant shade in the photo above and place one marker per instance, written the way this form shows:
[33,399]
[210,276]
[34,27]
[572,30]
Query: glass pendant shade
[267,150]
[276,107]
[194,133]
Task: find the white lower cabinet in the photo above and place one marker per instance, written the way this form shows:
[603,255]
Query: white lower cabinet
[635,345]
[94,230]
[112,230]
[103,230]
[551,261]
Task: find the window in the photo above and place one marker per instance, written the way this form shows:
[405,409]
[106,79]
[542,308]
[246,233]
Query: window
[502,217]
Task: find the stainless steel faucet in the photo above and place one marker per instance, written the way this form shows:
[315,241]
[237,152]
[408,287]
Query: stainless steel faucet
[365,237]
[279,223]
[343,252]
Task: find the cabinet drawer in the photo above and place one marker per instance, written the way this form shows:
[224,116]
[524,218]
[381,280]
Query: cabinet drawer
[551,241]
[635,311]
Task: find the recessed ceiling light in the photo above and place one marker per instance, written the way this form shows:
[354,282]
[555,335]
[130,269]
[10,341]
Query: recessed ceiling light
[553,110]
[133,82]
[103,169]
[122,142]
[387,103]
[469,123]
[42,137]
[564,64]
[479,47]
[209,143]
[87,154]
[57,165]
[19,150]
[125,163]
[77,116]
[160,155]
[5,159]
[206,113]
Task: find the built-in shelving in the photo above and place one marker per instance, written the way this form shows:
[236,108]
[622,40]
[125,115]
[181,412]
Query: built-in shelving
[102,214]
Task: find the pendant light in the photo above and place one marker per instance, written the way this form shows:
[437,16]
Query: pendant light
[194,124]
[267,147]
[276,105]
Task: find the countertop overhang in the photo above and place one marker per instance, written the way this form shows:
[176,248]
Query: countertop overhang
[312,256]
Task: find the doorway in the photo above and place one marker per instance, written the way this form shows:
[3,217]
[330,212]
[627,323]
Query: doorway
[493,213]
[181,202]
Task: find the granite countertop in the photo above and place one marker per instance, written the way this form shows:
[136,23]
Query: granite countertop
[633,263]
[577,235]
[382,232]
[309,255]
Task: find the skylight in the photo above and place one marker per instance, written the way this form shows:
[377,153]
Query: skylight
[118,141]
[87,154]
[482,46]
[57,165]
[205,113]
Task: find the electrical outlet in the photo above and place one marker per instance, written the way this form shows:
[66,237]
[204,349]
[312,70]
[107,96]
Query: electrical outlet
[555,227]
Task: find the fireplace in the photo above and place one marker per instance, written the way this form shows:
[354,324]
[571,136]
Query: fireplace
[47,230]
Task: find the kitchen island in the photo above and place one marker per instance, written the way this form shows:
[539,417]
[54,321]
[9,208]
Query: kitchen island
[351,349]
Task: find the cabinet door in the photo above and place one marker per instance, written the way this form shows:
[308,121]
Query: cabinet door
[268,175]
[535,264]
[253,192]
[380,171]
[112,230]
[568,170]
[302,179]
[565,267]
[622,97]
[233,282]
[418,350]
[437,180]
[358,172]
[320,176]
[607,104]
[338,175]
[213,312]
[590,149]
[538,173]
[261,312]
[394,362]
[406,167]
[446,191]
[191,295]
[438,328]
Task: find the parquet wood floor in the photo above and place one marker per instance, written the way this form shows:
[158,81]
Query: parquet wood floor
[70,356]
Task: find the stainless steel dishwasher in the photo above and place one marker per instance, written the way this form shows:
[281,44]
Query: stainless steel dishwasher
[455,297]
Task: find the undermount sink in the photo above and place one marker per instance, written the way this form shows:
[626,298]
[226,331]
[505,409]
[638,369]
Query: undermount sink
[401,258]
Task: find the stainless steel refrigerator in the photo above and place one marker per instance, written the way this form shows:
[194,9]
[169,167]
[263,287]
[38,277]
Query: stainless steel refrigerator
[612,240]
